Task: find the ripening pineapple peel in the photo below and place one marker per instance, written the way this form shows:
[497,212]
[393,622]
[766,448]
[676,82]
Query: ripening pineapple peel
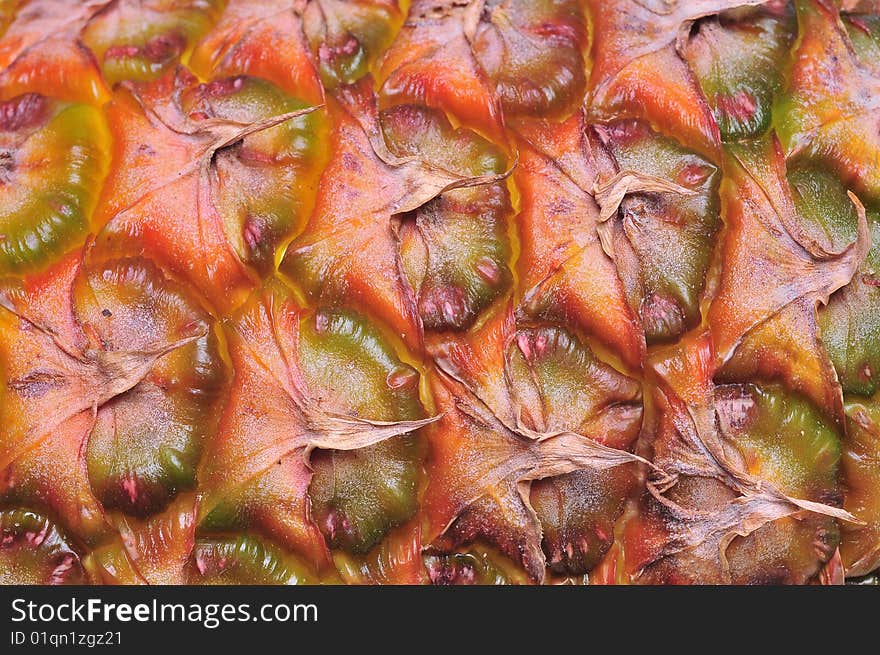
[434,291]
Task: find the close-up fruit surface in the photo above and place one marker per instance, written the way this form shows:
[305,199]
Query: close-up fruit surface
[439,292]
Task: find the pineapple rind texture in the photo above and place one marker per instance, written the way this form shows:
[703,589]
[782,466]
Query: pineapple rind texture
[439,292]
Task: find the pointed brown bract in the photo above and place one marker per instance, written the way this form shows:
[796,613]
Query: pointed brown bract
[258,471]
[829,108]
[751,481]
[564,271]
[363,187]
[532,424]
[263,39]
[41,52]
[177,147]
[776,269]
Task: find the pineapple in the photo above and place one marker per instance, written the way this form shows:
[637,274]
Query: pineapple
[439,291]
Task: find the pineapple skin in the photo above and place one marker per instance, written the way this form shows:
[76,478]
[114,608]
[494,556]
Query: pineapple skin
[439,292]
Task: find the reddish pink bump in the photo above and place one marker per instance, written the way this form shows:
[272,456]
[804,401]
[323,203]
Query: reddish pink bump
[330,524]
[859,24]
[429,307]
[164,46]
[23,111]
[740,106]
[402,377]
[253,232]
[525,346]
[693,175]
[662,314]
[561,30]
[221,88]
[540,344]
[200,563]
[446,300]
[121,52]
[130,486]
[322,322]
[488,270]
[621,132]
[327,52]
[738,408]
[59,573]
[870,280]
[448,311]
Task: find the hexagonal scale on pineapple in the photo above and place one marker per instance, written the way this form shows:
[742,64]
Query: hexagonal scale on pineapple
[358,495]
[41,52]
[139,41]
[278,167]
[34,550]
[145,445]
[751,493]
[738,59]
[534,54]
[53,159]
[521,406]
[350,218]
[564,271]
[828,109]
[179,145]
[632,41]
[347,37]
[848,324]
[778,264]
[115,392]
[431,64]
[264,39]
[303,382]
[663,242]
[549,368]
[454,249]
[578,513]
